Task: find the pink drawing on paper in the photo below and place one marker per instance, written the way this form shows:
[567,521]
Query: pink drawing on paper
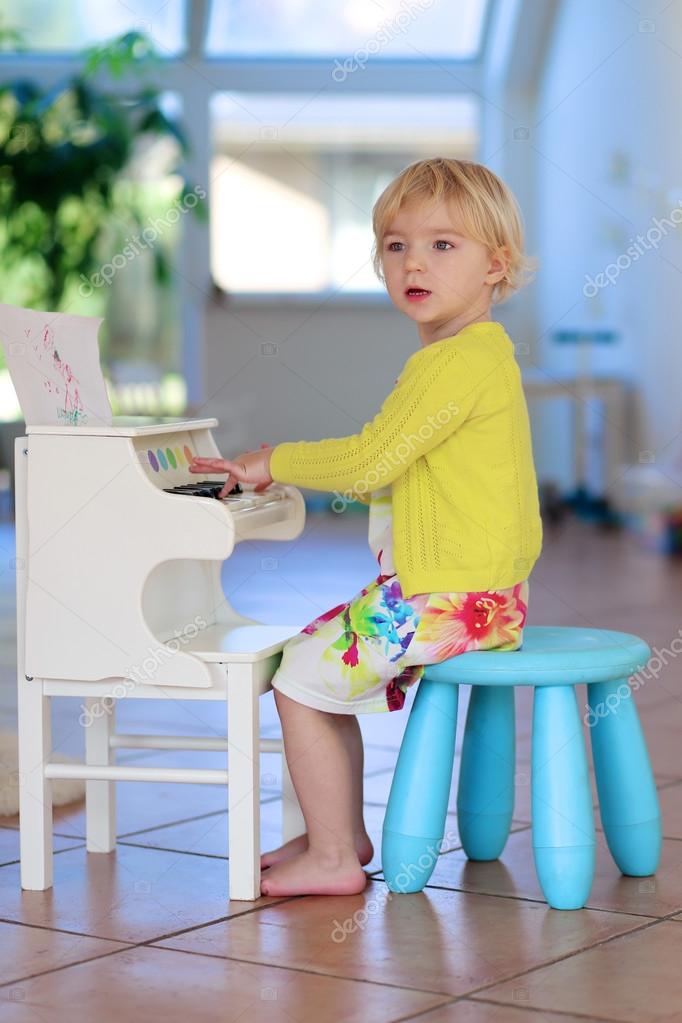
[69,407]
[53,359]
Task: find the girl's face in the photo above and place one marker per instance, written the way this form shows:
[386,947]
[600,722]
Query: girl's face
[425,247]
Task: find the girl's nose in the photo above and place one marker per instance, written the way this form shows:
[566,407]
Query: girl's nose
[413,261]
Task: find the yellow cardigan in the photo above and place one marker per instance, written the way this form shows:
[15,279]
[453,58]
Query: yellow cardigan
[453,439]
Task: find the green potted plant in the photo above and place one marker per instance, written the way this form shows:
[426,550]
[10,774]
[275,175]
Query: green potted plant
[71,216]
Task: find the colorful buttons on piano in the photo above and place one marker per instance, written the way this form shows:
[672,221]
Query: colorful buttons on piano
[173,458]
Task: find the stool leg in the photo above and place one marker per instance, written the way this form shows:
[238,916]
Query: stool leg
[561,804]
[628,802]
[485,796]
[418,801]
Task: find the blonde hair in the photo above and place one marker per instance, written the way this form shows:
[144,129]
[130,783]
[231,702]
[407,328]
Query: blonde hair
[489,210]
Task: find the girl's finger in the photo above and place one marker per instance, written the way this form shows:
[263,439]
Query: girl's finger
[209,465]
[235,471]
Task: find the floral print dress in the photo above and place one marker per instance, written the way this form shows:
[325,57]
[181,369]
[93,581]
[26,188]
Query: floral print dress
[362,656]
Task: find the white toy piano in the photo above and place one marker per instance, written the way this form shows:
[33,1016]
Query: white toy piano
[119,557]
[125,553]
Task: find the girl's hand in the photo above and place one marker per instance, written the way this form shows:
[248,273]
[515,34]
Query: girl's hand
[249,467]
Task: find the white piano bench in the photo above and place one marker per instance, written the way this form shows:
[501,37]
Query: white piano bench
[244,683]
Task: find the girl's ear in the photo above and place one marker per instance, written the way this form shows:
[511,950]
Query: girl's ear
[498,266]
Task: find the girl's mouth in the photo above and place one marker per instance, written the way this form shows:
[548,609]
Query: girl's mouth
[416,294]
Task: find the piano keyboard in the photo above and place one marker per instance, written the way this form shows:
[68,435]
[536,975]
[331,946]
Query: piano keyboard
[237,500]
[203,488]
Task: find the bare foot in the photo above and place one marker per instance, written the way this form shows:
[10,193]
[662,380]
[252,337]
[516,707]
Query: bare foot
[295,846]
[313,874]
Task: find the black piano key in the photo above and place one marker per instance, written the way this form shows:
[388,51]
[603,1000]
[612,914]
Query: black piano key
[202,488]
[236,489]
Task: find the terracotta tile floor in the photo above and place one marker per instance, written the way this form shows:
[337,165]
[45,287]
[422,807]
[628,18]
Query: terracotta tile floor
[148,931]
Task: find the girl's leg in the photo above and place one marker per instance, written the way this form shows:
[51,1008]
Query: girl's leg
[320,765]
[349,729]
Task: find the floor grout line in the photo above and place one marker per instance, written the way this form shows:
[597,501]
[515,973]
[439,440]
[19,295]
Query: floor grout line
[571,955]
[65,966]
[188,820]
[55,852]
[61,930]
[543,902]
[129,946]
[463,999]
[557,1012]
[426,1012]
[179,852]
[313,973]
[152,943]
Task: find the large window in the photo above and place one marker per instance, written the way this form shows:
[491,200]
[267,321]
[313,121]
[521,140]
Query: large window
[67,25]
[298,114]
[314,28]
[293,182]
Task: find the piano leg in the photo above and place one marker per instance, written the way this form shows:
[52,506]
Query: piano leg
[35,790]
[100,796]
[243,766]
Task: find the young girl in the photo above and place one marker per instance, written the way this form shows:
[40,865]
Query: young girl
[447,468]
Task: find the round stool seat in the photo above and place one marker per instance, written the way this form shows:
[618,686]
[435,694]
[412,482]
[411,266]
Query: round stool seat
[550,656]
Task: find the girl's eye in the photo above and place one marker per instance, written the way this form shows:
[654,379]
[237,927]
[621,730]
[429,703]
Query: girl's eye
[441,241]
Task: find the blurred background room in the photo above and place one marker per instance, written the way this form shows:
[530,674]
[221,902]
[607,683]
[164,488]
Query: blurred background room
[201,175]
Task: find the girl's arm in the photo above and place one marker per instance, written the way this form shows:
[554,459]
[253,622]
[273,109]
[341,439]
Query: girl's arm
[431,400]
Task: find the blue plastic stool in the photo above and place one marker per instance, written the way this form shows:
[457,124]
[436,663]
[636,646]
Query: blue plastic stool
[553,660]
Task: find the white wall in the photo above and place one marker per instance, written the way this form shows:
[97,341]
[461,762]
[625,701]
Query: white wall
[608,153]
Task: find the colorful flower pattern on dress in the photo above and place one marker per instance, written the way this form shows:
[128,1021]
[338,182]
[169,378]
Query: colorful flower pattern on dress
[366,653]
[454,622]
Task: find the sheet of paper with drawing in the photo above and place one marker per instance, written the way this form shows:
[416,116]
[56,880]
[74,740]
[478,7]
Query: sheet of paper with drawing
[53,359]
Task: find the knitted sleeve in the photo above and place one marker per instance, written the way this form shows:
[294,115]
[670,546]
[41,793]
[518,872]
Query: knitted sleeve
[432,399]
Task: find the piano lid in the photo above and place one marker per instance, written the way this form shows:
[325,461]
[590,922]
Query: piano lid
[130,426]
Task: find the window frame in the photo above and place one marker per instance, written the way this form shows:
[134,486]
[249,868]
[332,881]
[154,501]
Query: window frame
[195,77]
